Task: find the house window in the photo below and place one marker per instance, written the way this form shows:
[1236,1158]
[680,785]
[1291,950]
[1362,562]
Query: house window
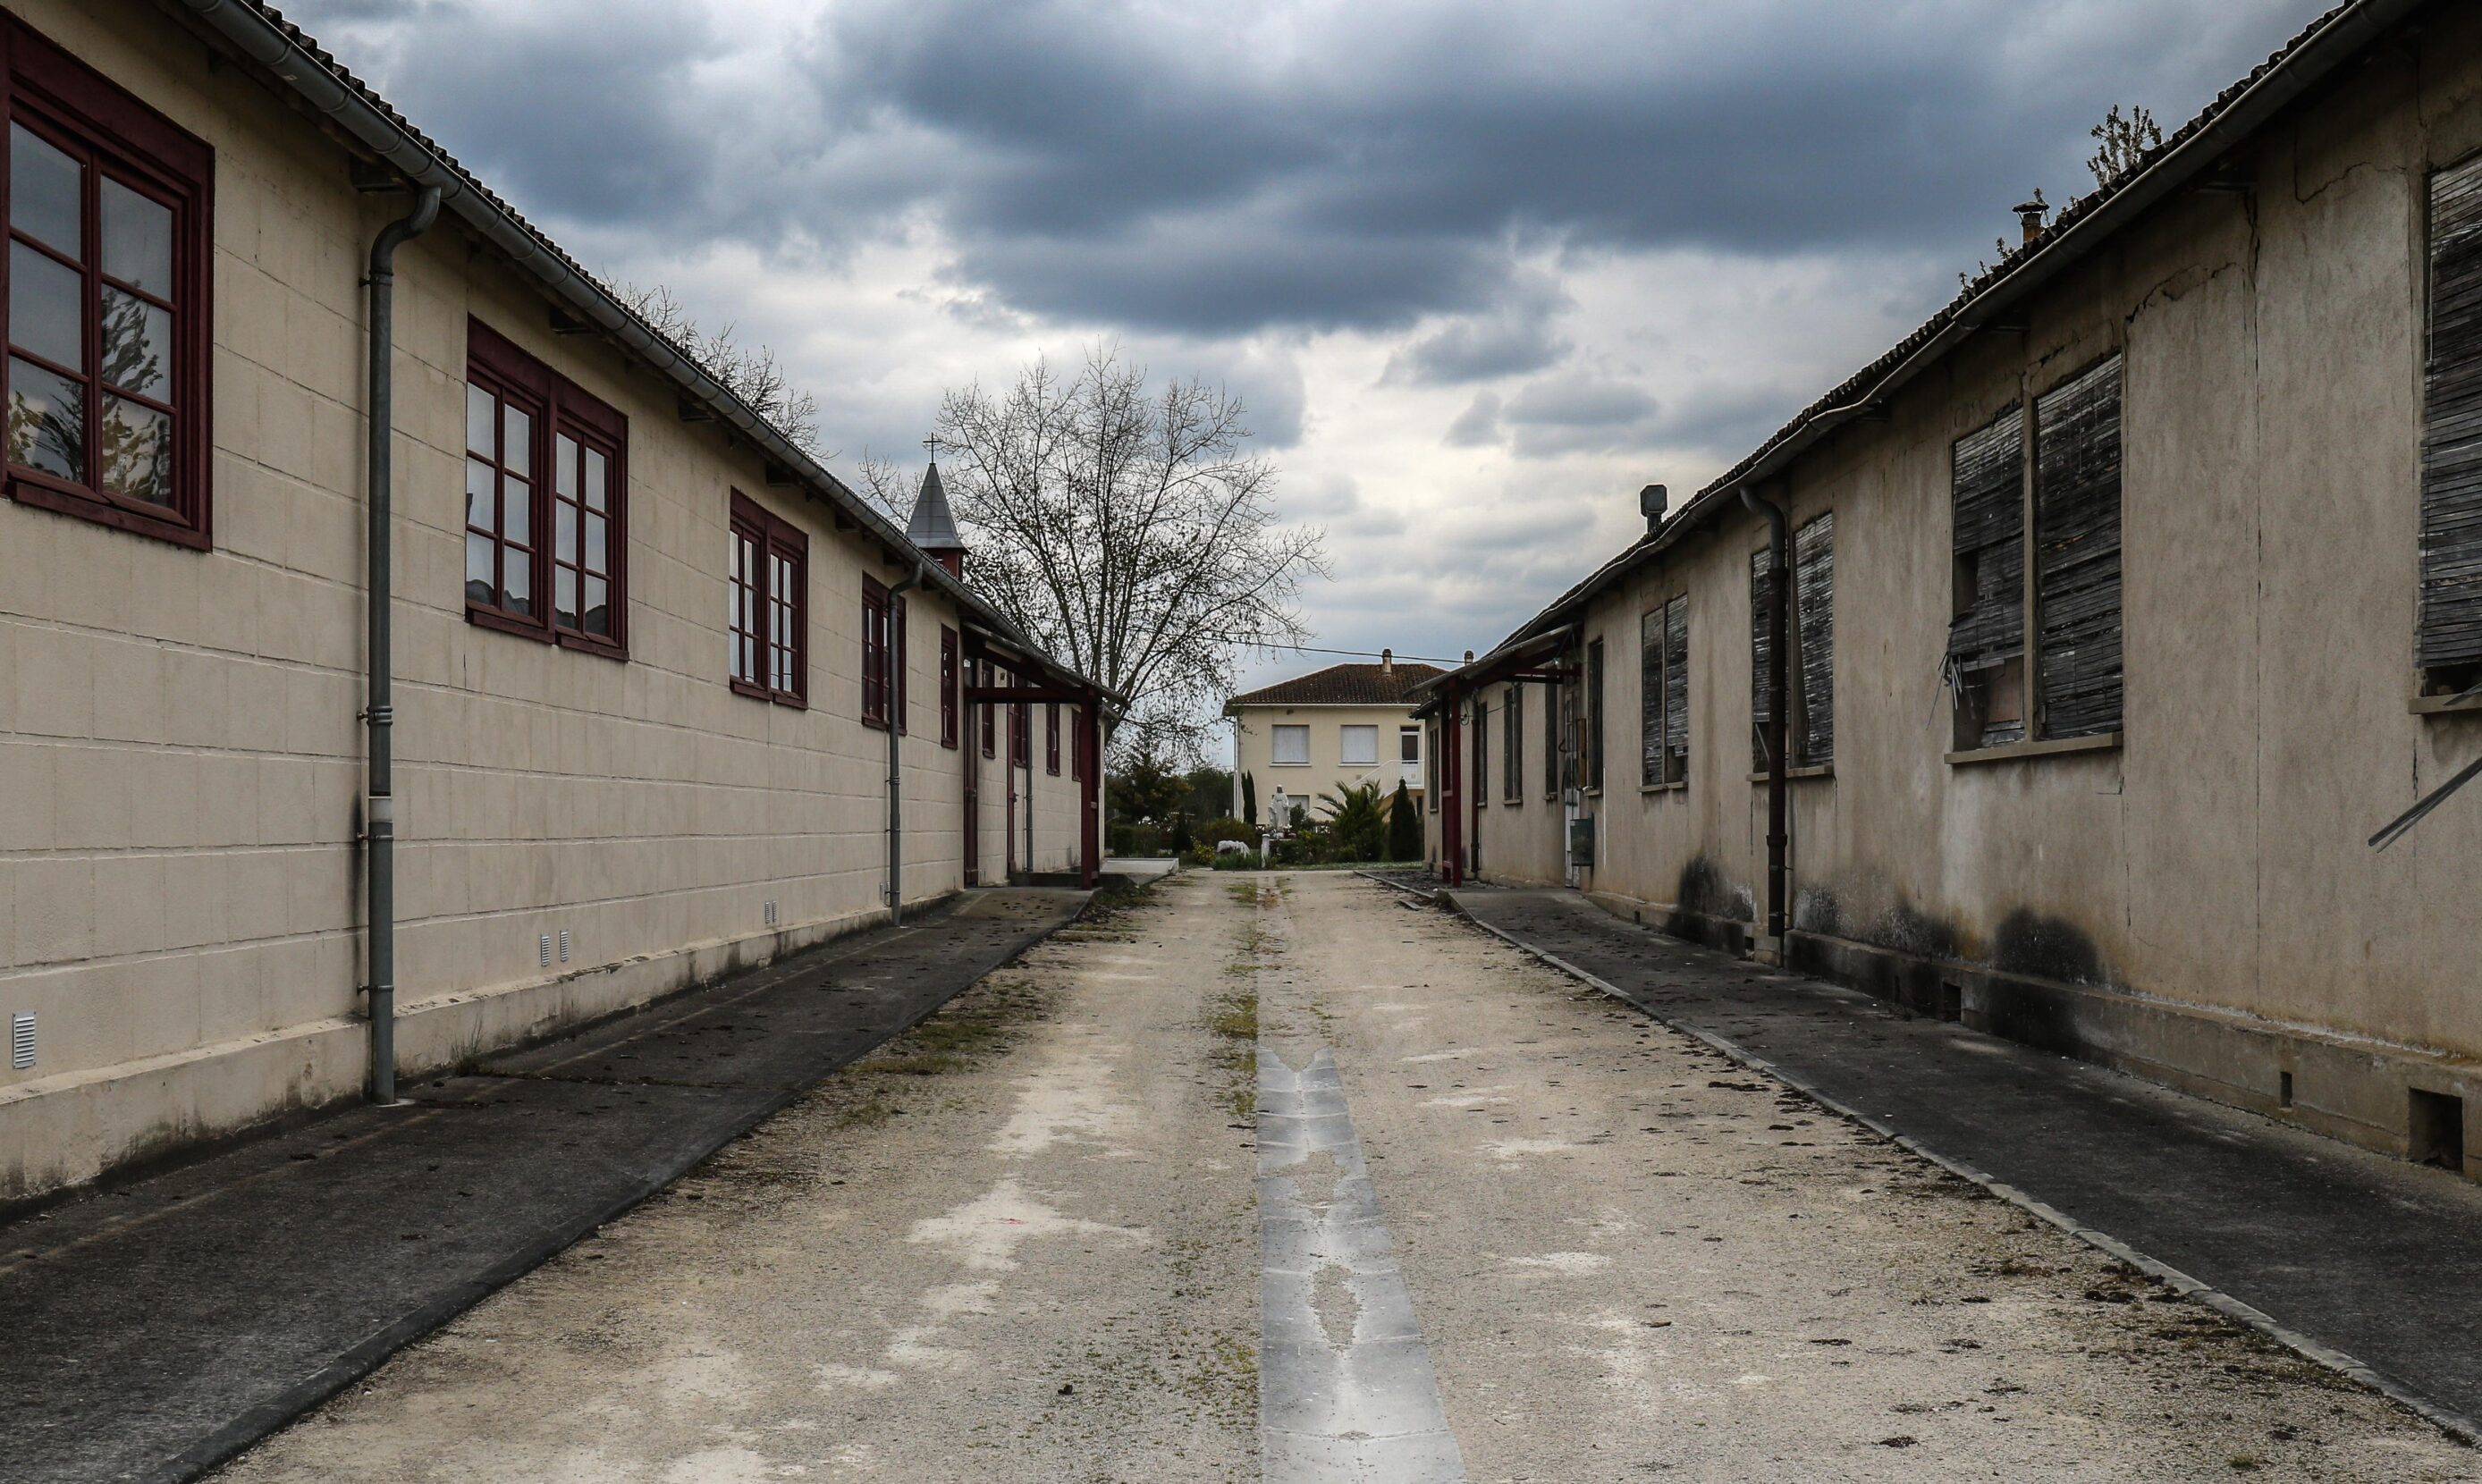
[2076,555]
[1663,684]
[875,669]
[107,276]
[769,579]
[1481,751]
[1809,732]
[546,500]
[948,683]
[1593,748]
[1291,746]
[2448,636]
[1358,747]
[986,711]
[1986,632]
[1512,763]
[1408,743]
[897,663]
[1051,737]
[1551,741]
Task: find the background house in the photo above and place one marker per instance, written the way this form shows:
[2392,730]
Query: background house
[1334,728]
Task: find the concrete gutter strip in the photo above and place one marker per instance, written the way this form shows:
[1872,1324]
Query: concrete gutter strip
[2448,1420]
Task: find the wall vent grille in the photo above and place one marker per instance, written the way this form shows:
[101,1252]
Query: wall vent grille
[21,1040]
[564,945]
[543,950]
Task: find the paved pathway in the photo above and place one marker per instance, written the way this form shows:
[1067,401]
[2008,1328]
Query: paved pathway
[1487,1224]
[2368,1256]
[154,1329]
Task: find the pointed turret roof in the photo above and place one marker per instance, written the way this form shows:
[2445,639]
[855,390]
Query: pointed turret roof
[933,528]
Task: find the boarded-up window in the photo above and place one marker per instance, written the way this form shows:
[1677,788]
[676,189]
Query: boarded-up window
[1650,679]
[2077,554]
[2451,636]
[1594,743]
[1763,658]
[1813,565]
[1676,690]
[1482,751]
[1986,634]
[1513,767]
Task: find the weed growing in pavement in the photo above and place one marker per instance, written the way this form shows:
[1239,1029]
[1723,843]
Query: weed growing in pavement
[1234,1020]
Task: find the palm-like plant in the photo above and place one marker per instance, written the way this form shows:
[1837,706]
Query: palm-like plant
[1357,821]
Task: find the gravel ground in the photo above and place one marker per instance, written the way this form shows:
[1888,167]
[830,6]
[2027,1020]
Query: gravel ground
[1022,1244]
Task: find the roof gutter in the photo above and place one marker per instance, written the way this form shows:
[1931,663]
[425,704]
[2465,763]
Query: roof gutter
[1440,686]
[267,43]
[2343,35]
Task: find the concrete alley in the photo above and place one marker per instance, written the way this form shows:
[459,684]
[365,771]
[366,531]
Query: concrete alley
[1291,1176]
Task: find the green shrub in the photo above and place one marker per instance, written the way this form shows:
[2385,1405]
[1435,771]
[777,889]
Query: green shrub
[1215,831]
[1403,827]
[1242,861]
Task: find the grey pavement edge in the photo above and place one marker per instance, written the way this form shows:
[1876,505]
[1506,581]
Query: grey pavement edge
[2364,1265]
[160,1327]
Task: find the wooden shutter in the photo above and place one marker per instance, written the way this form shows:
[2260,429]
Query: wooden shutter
[1763,660]
[1675,688]
[2451,435]
[1649,694]
[1813,565]
[2077,554]
[1988,487]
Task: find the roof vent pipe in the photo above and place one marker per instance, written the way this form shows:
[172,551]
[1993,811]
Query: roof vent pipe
[1388,662]
[2031,214]
[1651,502]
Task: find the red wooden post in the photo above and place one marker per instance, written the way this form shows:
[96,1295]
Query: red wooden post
[1090,783]
[1452,834]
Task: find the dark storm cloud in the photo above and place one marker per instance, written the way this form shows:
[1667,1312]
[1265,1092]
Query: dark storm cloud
[1190,171]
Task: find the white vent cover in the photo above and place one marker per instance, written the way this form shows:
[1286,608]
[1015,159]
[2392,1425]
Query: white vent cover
[564,945]
[543,950]
[21,1040]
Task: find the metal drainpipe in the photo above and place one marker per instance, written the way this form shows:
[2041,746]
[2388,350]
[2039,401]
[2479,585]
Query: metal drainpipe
[379,717]
[896,763]
[1778,865]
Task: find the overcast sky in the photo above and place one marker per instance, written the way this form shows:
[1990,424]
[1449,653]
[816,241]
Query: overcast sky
[1480,269]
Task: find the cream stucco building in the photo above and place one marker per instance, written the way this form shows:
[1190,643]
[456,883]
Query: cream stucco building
[1334,729]
[2127,599]
[656,674]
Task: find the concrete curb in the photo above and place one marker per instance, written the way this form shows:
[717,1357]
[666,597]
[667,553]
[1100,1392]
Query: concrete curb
[262,1421]
[2456,1424]
[1434,897]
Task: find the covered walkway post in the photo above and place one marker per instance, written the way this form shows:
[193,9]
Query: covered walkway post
[1089,788]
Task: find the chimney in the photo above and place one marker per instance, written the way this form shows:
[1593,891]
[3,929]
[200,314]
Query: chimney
[1650,503]
[1468,657]
[1386,662]
[2030,214]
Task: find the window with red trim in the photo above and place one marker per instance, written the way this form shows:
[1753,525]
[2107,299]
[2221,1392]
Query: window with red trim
[896,663]
[546,500]
[768,579]
[1051,739]
[107,279]
[948,682]
[874,652]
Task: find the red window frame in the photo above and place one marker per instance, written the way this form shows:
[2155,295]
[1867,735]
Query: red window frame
[567,430]
[767,577]
[1076,744]
[1051,739]
[875,669]
[71,108]
[897,662]
[948,683]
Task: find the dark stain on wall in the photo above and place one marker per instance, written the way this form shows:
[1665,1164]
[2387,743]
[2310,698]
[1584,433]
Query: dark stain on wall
[1908,929]
[1702,890]
[2047,948]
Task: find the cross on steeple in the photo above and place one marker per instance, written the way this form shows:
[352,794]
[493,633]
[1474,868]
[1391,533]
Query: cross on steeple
[932,443]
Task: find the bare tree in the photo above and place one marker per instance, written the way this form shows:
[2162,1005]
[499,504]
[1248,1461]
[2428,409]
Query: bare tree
[751,373]
[1125,528]
[2124,140]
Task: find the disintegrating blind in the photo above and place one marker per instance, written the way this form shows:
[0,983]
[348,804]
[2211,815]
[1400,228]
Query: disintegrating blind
[1481,751]
[1593,741]
[2077,554]
[1813,565]
[1989,627]
[1513,765]
[1551,741]
[1649,697]
[2451,436]
[1676,689]
[1763,660]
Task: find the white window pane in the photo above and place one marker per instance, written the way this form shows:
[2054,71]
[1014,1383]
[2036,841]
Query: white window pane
[564,467]
[1357,746]
[46,189]
[137,239]
[44,300]
[1292,744]
[480,411]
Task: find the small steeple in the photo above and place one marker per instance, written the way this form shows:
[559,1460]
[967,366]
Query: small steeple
[933,528]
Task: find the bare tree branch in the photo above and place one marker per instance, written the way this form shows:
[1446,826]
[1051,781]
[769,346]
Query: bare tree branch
[753,374]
